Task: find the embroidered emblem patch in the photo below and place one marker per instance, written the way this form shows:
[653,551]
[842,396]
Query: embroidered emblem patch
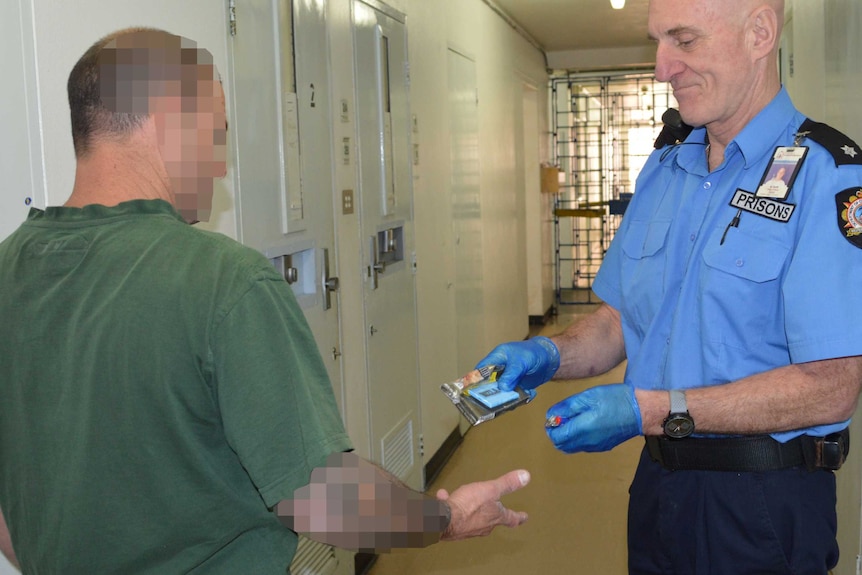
[849,203]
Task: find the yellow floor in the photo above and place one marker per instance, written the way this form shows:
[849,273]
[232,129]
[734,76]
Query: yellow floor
[577,503]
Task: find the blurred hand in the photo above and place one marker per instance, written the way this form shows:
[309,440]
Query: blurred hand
[476,507]
[597,419]
[528,364]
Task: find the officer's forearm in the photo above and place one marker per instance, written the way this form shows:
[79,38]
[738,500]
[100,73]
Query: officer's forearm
[592,345]
[791,397]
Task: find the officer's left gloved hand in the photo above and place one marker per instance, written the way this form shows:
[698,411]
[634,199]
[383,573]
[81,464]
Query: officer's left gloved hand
[528,364]
[597,419]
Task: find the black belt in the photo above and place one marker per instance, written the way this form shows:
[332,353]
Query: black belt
[749,452]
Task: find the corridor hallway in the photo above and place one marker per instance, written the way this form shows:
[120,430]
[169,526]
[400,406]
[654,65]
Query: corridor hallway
[577,503]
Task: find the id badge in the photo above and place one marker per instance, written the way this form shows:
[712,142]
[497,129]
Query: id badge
[781,172]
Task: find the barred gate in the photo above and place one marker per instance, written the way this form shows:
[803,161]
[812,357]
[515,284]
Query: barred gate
[604,128]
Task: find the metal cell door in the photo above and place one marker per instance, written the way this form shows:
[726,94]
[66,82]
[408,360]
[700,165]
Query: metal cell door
[285,191]
[284,150]
[386,227]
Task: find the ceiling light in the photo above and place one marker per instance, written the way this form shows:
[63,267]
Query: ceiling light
[618,4]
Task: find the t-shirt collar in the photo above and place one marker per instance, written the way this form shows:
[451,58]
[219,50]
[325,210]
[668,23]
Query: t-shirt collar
[92,212]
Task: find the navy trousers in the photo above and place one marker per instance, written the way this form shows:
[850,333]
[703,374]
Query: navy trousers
[726,523]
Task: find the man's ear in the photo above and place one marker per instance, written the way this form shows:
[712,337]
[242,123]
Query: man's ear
[765,31]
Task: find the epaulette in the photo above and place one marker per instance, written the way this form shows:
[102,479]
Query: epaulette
[843,150]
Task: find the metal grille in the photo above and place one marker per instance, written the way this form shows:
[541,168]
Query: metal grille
[313,558]
[604,129]
[397,449]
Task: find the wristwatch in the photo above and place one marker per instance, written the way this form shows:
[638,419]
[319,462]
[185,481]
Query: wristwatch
[678,423]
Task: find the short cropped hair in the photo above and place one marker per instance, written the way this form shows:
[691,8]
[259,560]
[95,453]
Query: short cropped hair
[112,85]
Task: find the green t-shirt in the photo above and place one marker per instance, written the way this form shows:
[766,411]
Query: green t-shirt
[160,391]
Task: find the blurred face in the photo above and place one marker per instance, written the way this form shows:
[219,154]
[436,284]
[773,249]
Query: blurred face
[192,140]
[703,50]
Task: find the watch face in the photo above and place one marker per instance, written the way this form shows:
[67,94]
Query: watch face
[678,425]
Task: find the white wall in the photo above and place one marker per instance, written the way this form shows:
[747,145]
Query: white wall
[824,41]
[504,61]
[539,206]
[842,26]
[803,53]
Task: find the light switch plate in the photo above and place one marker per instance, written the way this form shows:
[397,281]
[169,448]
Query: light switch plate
[346,202]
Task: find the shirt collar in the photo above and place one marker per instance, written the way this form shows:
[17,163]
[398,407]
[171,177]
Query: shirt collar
[766,129]
[758,137]
[92,212]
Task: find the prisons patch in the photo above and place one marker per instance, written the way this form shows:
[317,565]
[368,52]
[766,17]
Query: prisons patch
[849,204]
[766,207]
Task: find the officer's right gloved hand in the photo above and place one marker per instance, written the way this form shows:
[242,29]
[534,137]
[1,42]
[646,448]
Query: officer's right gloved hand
[528,364]
[597,419]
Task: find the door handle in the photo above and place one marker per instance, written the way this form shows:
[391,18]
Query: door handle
[330,283]
[377,266]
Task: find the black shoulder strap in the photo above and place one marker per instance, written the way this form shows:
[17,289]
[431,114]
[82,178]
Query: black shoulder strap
[843,150]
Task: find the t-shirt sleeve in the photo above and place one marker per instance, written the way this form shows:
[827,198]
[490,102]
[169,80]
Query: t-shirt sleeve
[275,397]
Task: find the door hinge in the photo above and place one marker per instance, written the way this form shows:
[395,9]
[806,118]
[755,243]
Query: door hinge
[231,13]
[407,73]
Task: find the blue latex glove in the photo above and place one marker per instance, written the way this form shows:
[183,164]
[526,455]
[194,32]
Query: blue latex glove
[528,364]
[597,419]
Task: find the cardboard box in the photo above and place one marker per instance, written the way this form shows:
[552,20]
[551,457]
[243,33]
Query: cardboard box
[550,180]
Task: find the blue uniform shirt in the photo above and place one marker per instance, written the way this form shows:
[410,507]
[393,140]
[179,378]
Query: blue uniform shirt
[696,312]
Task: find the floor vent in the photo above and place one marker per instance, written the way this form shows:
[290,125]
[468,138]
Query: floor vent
[397,449]
[313,558]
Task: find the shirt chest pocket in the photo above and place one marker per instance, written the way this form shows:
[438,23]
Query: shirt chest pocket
[644,239]
[643,270]
[740,292]
[758,260]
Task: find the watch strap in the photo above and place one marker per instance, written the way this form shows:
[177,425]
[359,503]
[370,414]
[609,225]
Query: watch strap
[677,401]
